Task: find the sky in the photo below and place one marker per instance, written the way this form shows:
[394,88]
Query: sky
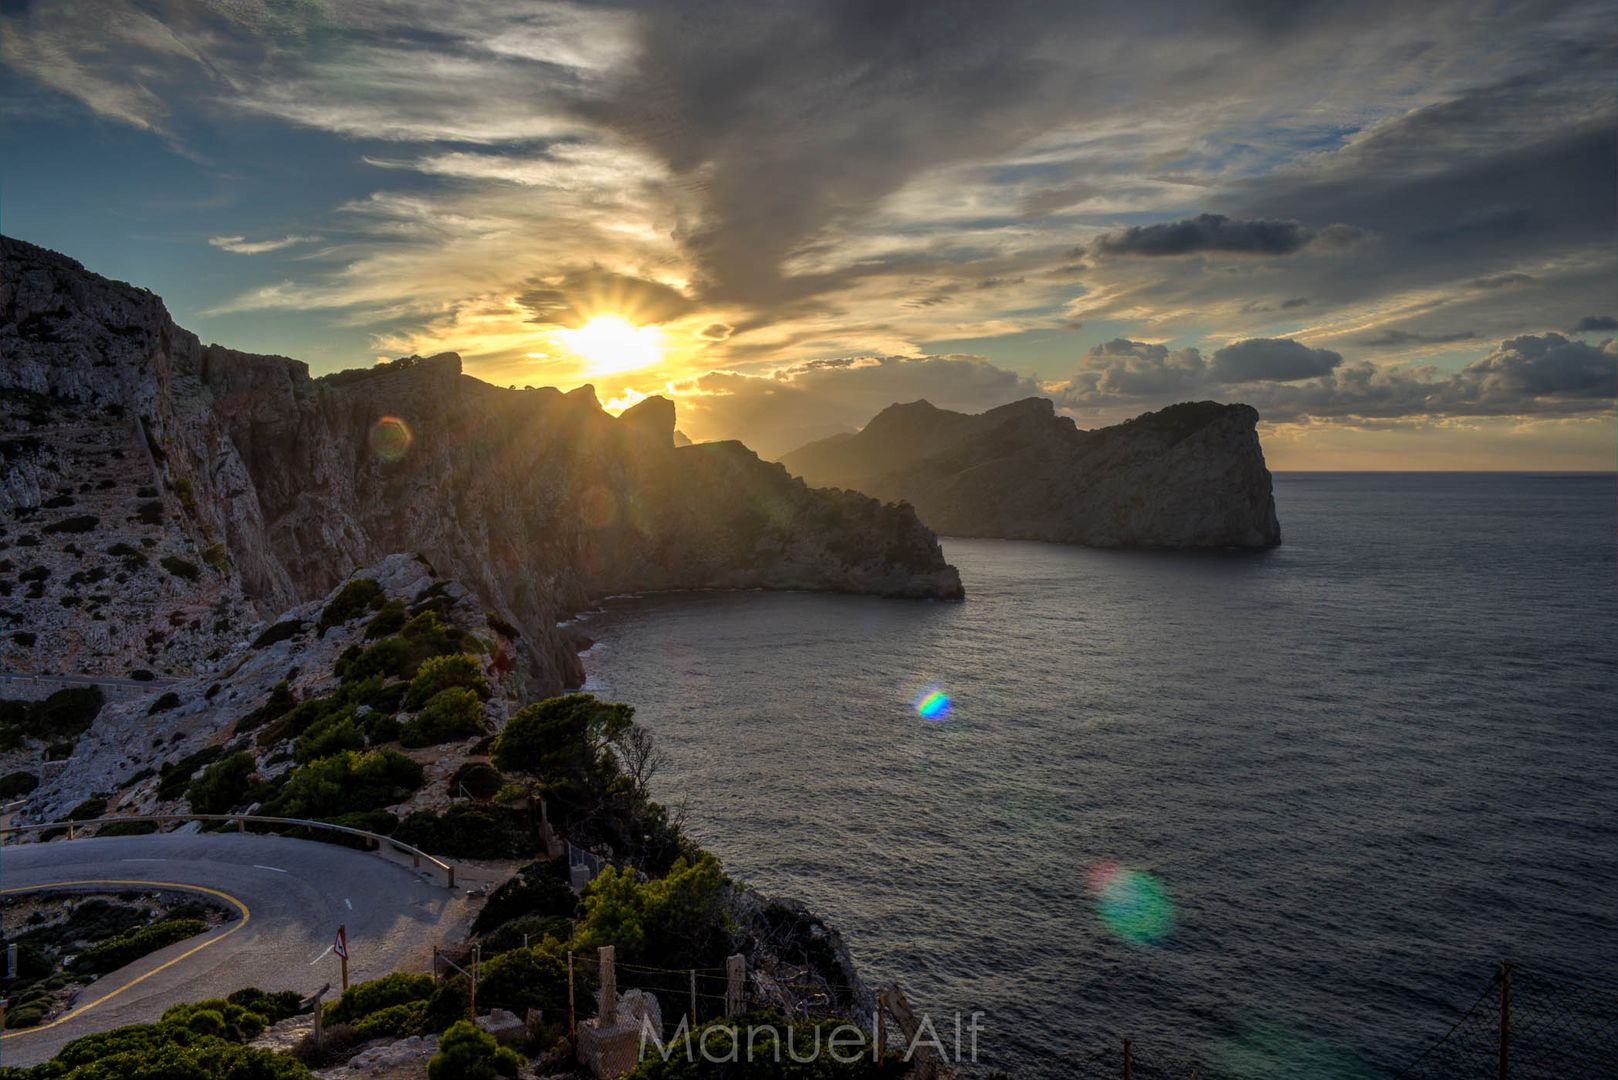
[1387,226]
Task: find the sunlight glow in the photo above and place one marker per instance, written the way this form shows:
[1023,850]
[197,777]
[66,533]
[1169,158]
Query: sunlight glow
[610,344]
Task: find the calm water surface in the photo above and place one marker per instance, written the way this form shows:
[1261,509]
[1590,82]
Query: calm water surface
[1363,768]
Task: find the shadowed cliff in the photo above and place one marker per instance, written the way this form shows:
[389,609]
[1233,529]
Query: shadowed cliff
[273,486]
[1187,476]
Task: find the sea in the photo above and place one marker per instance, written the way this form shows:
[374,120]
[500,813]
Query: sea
[1263,814]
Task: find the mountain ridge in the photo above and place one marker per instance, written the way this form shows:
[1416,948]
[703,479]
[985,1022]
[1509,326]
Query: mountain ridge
[1188,475]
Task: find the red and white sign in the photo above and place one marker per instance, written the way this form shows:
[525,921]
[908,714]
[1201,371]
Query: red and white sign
[340,945]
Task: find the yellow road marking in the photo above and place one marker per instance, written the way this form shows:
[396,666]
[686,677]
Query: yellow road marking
[82,1009]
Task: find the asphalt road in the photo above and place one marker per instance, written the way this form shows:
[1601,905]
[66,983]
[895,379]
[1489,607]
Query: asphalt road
[289,897]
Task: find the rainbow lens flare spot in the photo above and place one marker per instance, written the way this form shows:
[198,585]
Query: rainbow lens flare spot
[932,704]
[1131,903]
[390,438]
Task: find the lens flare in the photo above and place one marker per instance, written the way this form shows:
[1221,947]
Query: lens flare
[932,704]
[390,438]
[1131,903]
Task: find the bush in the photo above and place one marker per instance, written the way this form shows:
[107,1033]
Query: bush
[395,1022]
[88,810]
[281,631]
[467,1052]
[390,620]
[179,567]
[164,703]
[522,979]
[17,783]
[364,999]
[443,672]
[540,888]
[345,783]
[469,831]
[174,776]
[82,523]
[280,702]
[330,735]
[222,787]
[450,715]
[677,919]
[560,737]
[476,779]
[131,945]
[353,600]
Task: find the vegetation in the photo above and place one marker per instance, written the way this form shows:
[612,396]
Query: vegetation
[441,673]
[470,831]
[196,1041]
[450,715]
[363,999]
[353,600]
[180,568]
[280,631]
[114,953]
[67,713]
[477,780]
[173,777]
[81,523]
[165,702]
[222,786]
[17,783]
[677,919]
[466,1052]
[345,783]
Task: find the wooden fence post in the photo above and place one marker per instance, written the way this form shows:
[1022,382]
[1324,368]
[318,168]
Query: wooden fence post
[572,1022]
[1505,1020]
[735,984]
[693,997]
[607,999]
[1129,1064]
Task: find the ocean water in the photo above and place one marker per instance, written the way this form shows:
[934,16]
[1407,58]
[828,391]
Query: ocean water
[1280,812]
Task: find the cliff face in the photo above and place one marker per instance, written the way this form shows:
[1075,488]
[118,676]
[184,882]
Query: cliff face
[273,486]
[1187,476]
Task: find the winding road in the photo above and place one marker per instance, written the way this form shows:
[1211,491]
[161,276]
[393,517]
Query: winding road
[289,897]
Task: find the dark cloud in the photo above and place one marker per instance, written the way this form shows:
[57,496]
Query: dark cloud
[1391,339]
[1594,323]
[1545,375]
[1140,369]
[716,331]
[570,299]
[1270,360]
[1294,302]
[1216,232]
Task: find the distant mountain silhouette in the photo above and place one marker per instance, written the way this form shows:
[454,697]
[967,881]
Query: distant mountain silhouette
[1190,475]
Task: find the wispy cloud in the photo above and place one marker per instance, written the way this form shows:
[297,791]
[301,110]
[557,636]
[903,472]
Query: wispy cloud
[240,245]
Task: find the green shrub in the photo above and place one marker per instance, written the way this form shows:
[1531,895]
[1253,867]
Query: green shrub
[502,627]
[131,945]
[273,1006]
[331,734]
[281,631]
[223,786]
[165,702]
[381,727]
[218,1017]
[522,979]
[345,783]
[448,716]
[469,831]
[364,999]
[180,568]
[540,888]
[17,783]
[678,919]
[82,523]
[280,702]
[394,1022]
[88,810]
[390,620]
[477,780]
[467,1052]
[353,600]
[443,672]
[174,776]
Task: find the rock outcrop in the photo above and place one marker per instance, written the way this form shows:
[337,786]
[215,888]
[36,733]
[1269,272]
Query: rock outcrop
[263,487]
[1188,476]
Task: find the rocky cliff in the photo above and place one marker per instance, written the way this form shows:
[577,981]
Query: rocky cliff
[1187,476]
[163,499]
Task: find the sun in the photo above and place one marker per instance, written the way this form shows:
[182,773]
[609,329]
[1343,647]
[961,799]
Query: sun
[609,343]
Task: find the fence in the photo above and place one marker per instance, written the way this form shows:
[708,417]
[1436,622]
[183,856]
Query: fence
[1524,1026]
[241,821]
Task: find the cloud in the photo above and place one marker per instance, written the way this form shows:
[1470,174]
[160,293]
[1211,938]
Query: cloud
[572,298]
[1541,376]
[777,413]
[1594,323]
[1391,339]
[1501,281]
[240,245]
[1139,369]
[1271,360]
[1218,233]
[716,331]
